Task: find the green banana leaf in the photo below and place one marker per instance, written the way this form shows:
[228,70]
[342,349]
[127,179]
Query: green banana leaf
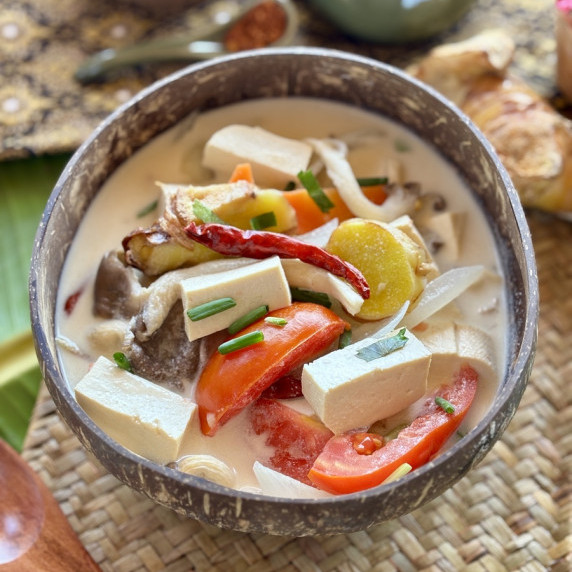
[25,186]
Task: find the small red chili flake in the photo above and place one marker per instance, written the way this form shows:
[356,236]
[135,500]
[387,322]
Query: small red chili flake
[71,301]
[366,443]
[262,25]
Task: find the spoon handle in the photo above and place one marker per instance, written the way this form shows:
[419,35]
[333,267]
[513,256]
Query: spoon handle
[170,49]
[35,536]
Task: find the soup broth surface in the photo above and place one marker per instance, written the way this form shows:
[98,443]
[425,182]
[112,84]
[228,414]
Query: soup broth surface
[175,157]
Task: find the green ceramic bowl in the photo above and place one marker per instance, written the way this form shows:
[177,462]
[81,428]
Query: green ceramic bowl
[392,21]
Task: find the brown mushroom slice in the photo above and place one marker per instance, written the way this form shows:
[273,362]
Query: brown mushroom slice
[118,293]
[167,357]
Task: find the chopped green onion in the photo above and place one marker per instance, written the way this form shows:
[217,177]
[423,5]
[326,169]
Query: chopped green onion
[148,209]
[383,347]
[210,308]
[122,361]
[461,434]
[301,295]
[445,405]
[247,319]
[290,186]
[345,339]
[241,342]
[263,221]
[202,212]
[370,181]
[401,471]
[275,321]
[311,184]
[391,435]
[401,146]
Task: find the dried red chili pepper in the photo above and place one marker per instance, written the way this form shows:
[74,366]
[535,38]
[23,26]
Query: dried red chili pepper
[232,241]
[71,301]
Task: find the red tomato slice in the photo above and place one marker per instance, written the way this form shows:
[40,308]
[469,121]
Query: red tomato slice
[340,469]
[287,387]
[297,439]
[230,382]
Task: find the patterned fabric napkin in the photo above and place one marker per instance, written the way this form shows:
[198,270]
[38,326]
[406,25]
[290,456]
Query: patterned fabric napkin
[42,42]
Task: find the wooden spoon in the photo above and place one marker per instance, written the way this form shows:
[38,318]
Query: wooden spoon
[35,536]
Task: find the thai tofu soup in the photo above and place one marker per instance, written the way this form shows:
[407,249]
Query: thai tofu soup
[289,296]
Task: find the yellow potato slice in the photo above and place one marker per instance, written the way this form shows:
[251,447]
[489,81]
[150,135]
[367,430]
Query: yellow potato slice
[387,258]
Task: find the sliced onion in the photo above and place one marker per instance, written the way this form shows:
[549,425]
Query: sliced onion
[276,484]
[439,292]
[392,323]
[319,236]
[340,172]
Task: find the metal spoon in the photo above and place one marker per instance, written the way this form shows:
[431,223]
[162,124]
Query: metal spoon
[196,45]
[35,536]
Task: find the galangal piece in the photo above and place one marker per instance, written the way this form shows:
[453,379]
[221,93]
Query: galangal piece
[533,141]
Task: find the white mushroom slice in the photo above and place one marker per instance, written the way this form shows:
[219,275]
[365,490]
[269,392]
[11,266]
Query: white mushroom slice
[107,336]
[348,390]
[208,467]
[275,160]
[276,484]
[340,172]
[308,276]
[140,415]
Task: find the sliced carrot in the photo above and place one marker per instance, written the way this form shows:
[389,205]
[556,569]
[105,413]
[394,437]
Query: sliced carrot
[242,172]
[309,214]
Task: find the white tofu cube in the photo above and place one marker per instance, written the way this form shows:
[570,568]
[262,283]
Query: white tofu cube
[257,284]
[347,392]
[275,160]
[144,417]
[453,345]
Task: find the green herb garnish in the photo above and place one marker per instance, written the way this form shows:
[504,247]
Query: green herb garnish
[210,308]
[302,295]
[263,221]
[247,319]
[401,146]
[345,339]
[445,405]
[275,321]
[241,342]
[122,361]
[202,212]
[148,209]
[401,471]
[383,347]
[308,179]
[371,181]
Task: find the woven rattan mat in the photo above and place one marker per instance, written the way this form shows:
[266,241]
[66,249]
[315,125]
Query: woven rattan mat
[513,512]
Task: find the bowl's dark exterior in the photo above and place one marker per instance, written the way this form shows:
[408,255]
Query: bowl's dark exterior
[281,73]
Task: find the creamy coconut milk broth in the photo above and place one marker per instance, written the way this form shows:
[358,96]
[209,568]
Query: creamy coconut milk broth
[175,157]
